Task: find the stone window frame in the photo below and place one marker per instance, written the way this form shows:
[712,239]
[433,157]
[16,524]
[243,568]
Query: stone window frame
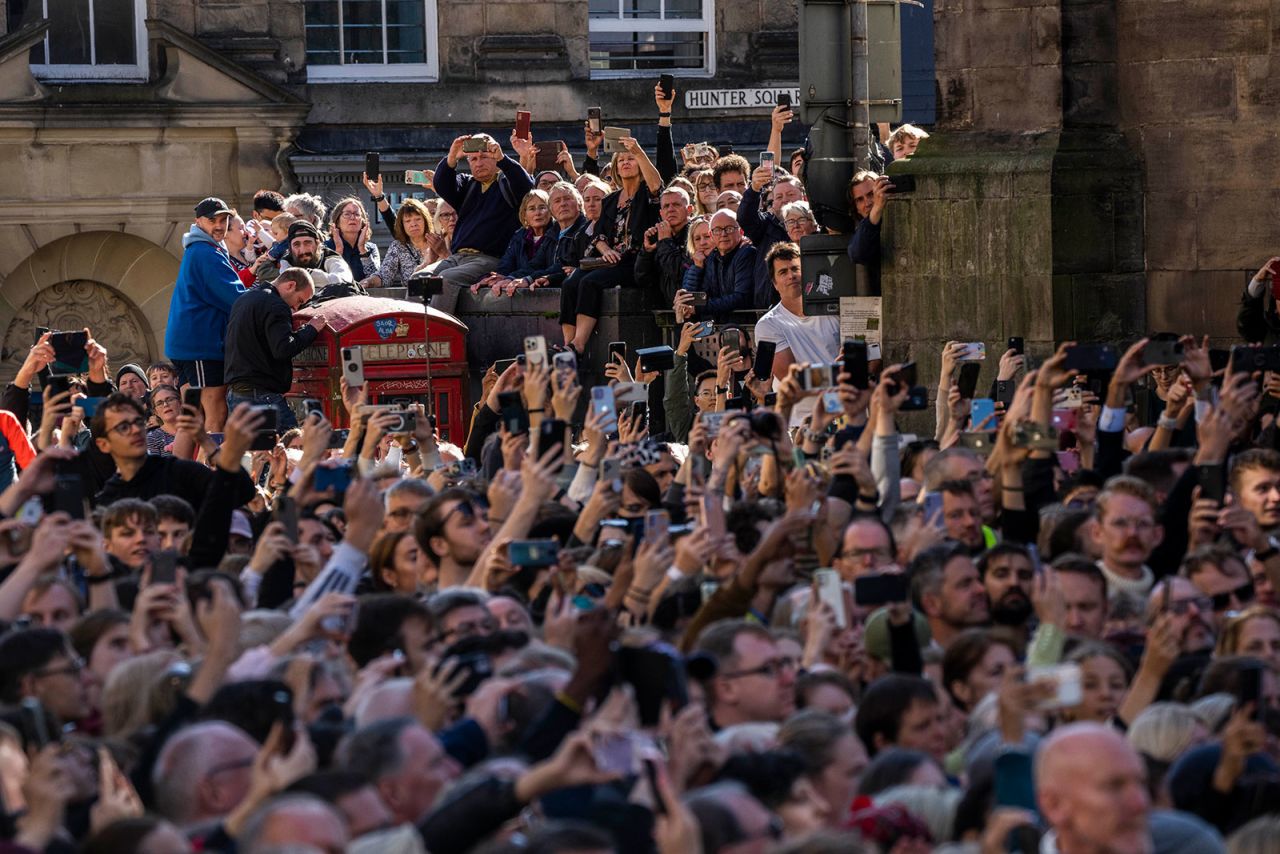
[417,72]
[135,73]
[705,25]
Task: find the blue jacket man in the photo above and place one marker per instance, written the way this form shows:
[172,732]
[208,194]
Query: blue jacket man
[207,285]
[727,274]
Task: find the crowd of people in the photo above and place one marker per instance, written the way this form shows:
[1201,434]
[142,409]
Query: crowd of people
[717,602]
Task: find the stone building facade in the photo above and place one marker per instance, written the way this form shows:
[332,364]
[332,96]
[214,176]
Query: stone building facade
[114,124]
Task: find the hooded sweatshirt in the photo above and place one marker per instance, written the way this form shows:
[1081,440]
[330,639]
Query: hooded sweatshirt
[207,286]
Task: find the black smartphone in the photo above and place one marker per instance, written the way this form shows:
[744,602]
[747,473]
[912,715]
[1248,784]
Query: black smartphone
[511,409]
[595,119]
[68,492]
[967,382]
[902,183]
[371,167]
[651,773]
[282,712]
[660,358]
[618,347]
[1213,482]
[847,436]
[784,99]
[311,404]
[164,567]
[762,368]
[639,413]
[880,588]
[917,400]
[1088,358]
[286,511]
[264,440]
[35,724]
[1017,344]
[551,432]
[69,355]
[191,396]
[907,374]
[668,84]
[1251,690]
[338,438]
[731,338]
[855,363]
[1218,359]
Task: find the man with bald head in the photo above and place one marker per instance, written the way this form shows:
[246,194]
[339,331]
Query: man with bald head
[726,275]
[1091,787]
[203,773]
[294,820]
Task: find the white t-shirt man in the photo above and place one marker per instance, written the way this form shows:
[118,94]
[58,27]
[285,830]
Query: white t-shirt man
[810,339]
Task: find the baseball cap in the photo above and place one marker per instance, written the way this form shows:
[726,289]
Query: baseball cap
[211,207]
[302,227]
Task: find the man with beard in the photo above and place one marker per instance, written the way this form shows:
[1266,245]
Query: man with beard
[945,588]
[1194,608]
[332,277]
[1126,532]
[1007,574]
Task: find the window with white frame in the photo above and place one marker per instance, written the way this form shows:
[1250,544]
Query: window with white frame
[98,40]
[638,37]
[371,40]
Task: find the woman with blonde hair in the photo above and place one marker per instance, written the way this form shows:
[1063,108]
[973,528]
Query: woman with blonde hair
[1255,631]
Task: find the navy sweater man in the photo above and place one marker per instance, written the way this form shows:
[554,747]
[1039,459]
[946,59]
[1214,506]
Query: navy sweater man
[727,274]
[488,205]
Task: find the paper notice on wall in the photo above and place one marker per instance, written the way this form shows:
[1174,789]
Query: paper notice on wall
[860,320]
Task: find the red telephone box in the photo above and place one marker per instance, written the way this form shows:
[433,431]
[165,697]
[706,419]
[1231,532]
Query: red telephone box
[396,338]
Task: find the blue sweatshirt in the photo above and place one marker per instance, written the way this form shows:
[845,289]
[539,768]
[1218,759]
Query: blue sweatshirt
[486,218]
[201,304]
[517,265]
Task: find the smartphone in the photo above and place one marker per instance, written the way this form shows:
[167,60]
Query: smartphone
[651,774]
[312,404]
[270,418]
[615,753]
[766,159]
[784,99]
[338,438]
[594,119]
[879,588]
[337,478]
[552,432]
[68,493]
[854,354]
[639,413]
[35,724]
[902,183]
[475,145]
[89,405]
[1088,358]
[1067,685]
[282,713]
[603,404]
[565,364]
[611,472]
[1251,690]
[1163,353]
[619,348]
[967,383]
[353,365]
[535,350]
[906,374]
[917,400]
[933,509]
[762,368]
[667,83]
[500,366]
[613,137]
[264,440]
[731,338]
[831,591]
[523,121]
[191,397]
[1017,345]
[286,512]
[537,553]
[980,410]
[1064,419]
[69,355]
[1218,359]
[657,523]
[164,567]
[416,177]
[699,299]
[979,442]
[831,403]
[1213,482]
[371,166]
[706,329]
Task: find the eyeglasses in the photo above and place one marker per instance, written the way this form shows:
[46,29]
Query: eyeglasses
[164,402]
[466,508]
[124,428]
[724,229]
[72,668]
[796,222]
[1182,606]
[1242,594]
[770,669]
[446,216]
[1142,526]
[863,554]
[401,512]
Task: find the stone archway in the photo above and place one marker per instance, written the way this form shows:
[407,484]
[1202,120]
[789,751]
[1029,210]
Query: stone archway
[117,284]
[116,323]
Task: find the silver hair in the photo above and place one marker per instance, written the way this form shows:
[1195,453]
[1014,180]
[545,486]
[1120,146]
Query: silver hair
[307,206]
